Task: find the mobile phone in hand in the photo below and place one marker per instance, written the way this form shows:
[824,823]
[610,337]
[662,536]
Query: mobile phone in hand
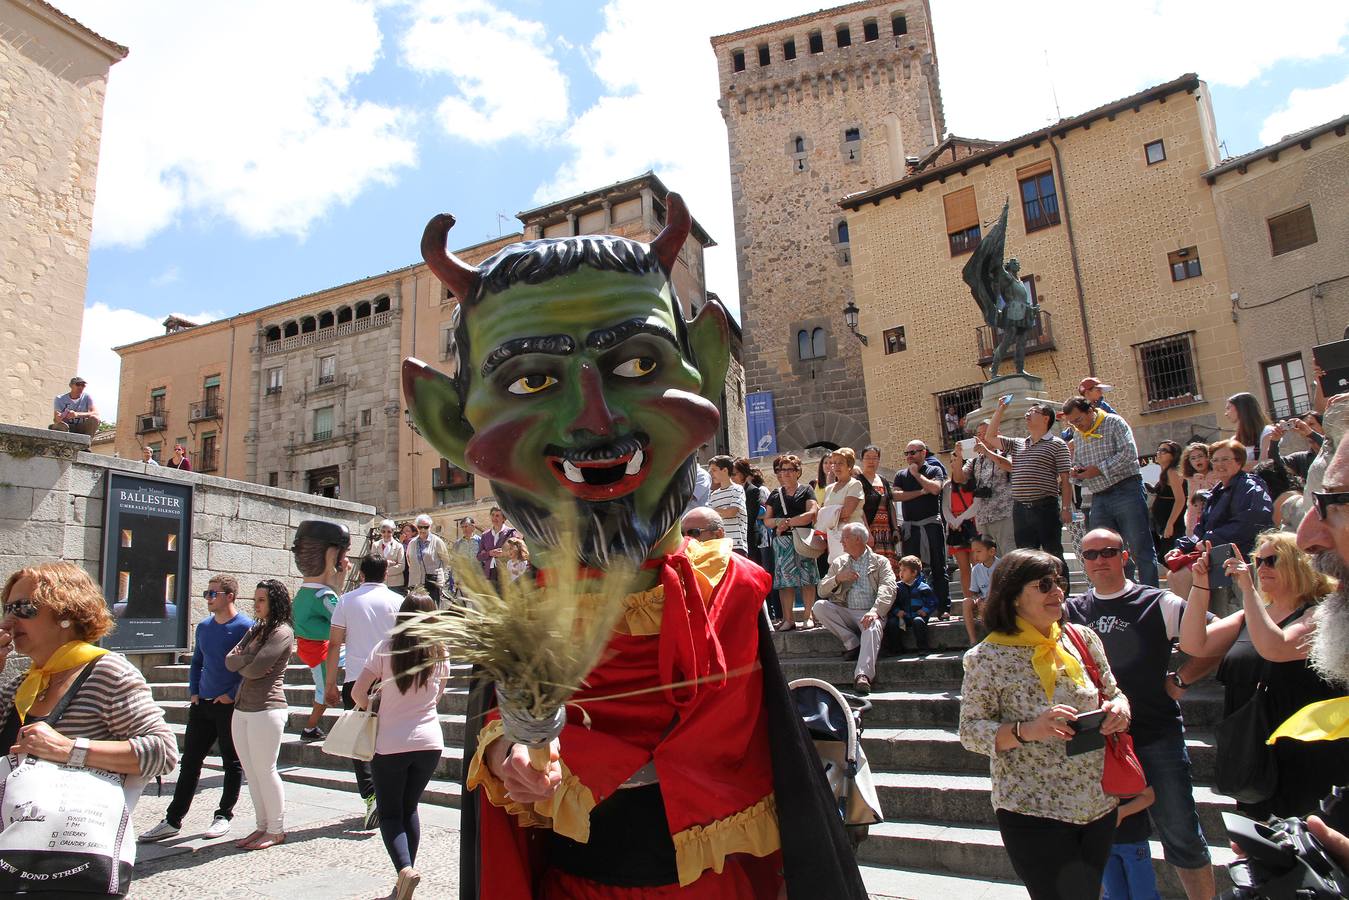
[1217,576]
[1006,398]
[1086,732]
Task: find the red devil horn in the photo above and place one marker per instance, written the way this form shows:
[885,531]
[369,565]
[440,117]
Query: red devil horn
[454,273]
[671,239]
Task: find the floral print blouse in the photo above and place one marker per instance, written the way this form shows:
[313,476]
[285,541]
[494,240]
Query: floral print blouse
[1037,778]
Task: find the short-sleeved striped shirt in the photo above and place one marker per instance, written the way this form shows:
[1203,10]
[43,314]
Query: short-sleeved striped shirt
[1036,467]
[736,526]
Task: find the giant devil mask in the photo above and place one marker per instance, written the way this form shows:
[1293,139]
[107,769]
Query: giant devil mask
[576,382]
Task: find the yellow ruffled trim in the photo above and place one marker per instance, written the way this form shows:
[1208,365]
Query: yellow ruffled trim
[567,812]
[702,847]
[642,612]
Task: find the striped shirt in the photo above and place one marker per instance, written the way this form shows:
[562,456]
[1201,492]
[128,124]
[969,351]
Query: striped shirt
[737,527]
[114,704]
[1036,467]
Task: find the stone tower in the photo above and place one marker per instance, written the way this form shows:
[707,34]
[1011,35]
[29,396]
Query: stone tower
[817,107]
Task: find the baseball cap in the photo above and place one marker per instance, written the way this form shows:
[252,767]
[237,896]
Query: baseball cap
[78,380]
[1090,383]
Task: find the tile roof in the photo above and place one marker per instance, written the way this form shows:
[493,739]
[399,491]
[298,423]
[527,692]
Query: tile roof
[1300,138]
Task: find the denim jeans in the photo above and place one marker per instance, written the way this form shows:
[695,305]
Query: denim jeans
[1124,508]
[1166,763]
[1129,874]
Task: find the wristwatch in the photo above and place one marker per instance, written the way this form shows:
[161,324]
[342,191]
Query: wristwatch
[1178,681]
[78,753]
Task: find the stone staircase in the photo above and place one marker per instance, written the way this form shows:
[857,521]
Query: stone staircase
[934,793]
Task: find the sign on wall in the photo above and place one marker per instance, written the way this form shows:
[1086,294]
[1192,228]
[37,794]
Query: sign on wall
[763,430]
[147,565]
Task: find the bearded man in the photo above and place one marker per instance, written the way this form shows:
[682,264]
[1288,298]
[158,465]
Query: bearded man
[580,388]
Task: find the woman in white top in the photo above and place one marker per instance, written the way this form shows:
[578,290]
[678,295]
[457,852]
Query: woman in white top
[842,500]
[391,549]
[517,557]
[1253,429]
[411,674]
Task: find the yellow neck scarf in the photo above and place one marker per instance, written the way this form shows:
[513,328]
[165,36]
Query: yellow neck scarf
[1049,656]
[1096,423]
[70,655]
[1324,721]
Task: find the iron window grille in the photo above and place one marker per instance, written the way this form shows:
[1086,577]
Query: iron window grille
[964,400]
[1286,387]
[1167,370]
[1039,201]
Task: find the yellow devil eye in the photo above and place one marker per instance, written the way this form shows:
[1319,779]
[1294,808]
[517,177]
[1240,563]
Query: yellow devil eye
[532,384]
[636,368]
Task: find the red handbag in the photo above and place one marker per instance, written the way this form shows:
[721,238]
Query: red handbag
[1123,775]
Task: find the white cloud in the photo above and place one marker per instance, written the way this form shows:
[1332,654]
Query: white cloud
[105,328]
[660,109]
[243,110]
[1305,108]
[506,80]
[167,277]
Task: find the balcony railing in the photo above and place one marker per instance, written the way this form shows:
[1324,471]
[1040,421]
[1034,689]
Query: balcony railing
[327,379]
[151,421]
[201,410]
[207,461]
[365,323]
[273,389]
[322,435]
[1041,338]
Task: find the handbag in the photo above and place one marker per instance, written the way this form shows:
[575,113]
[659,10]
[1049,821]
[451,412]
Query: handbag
[1247,770]
[64,830]
[353,736]
[1123,773]
[806,541]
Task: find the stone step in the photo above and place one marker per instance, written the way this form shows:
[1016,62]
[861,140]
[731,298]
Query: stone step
[295,752]
[967,800]
[454,700]
[939,750]
[893,883]
[439,791]
[451,725]
[819,641]
[296,673]
[977,852]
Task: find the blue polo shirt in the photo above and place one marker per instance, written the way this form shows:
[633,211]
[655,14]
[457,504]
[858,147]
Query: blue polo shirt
[209,678]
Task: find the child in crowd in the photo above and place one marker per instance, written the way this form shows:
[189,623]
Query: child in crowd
[915,601]
[984,555]
[1128,871]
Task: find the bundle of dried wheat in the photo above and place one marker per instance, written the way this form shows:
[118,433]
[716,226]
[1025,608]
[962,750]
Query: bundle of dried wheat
[536,641]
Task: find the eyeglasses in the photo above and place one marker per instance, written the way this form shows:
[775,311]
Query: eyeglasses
[1049,582]
[1103,553]
[21,609]
[694,532]
[793,469]
[1267,561]
[1324,500]
[211,595]
[1164,450]
[913,452]
[423,527]
[1222,459]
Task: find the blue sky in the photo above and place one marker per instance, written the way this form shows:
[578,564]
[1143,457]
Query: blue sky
[256,151]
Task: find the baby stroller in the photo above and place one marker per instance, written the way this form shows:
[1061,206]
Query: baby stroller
[835,724]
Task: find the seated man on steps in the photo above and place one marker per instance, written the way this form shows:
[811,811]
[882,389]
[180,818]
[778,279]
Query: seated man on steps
[858,592]
[915,602]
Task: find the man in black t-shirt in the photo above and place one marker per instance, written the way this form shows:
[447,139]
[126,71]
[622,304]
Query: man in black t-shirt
[918,490]
[1137,625]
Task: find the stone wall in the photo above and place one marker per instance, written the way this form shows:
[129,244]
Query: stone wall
[51,507]
[795,272]
[51,111]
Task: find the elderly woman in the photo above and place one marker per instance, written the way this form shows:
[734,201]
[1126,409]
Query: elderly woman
[1238,508]
[428,559]
[391,549]
[1265,643]
[792,505]
[52,614]
[1024,686]
[842,501]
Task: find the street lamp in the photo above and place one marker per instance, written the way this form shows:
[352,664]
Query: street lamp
[850,319]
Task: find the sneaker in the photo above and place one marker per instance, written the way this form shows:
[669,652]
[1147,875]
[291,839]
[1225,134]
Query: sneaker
[220,826]
[164,829]
[310,735]
[371,814]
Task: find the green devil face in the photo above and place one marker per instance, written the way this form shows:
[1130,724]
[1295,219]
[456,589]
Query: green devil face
[576,390]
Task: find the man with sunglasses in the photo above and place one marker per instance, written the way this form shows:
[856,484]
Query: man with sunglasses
[1137,624]
[1041,491]
[918,489]
[703,523]
[210,718]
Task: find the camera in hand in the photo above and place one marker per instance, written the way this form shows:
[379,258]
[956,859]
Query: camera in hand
[983,493]
[1283,859]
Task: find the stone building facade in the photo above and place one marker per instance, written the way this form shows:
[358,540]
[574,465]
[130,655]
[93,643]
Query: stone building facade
[1117,233]
[1284,214]
[55,73]
[816,107]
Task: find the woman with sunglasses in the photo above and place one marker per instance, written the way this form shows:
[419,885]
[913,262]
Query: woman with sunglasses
[1266,643]
[792,505]
[179,459]
[53,613]
[1168,504]
[1025,685]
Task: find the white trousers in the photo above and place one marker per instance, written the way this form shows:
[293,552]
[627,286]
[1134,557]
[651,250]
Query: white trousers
[257,740]
[846,625]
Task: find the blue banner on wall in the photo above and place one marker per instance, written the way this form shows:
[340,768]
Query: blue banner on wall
[763,430]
